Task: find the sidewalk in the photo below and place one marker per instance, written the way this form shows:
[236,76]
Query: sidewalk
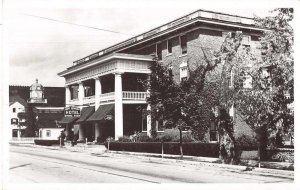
[100,150]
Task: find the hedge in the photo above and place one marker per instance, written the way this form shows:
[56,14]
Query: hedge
[45,142]
[280,155]
[189,148]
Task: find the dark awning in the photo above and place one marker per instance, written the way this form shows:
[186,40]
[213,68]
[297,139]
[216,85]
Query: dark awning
[86,112]
[67,120]
[102,112]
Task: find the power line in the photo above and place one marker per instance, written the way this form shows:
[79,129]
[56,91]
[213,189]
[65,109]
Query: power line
[91,27]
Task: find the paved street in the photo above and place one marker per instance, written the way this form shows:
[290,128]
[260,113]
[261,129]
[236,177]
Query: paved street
[39,165]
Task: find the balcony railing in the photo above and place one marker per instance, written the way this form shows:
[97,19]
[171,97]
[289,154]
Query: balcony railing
[107,96]
[128,95]
[88,99]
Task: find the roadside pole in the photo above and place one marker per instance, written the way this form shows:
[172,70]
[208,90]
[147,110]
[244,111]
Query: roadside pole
[162,149]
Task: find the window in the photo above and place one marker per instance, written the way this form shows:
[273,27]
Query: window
[160,125]
[183,71]
[170,72]
[74,92]
[14,110]
[169,46]
[159,51]
[48,133]
[213,133]
[14,121]
[89,91]
[183,44]
[246,40]
[144,121]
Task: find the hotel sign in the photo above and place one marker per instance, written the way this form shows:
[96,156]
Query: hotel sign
[72,112]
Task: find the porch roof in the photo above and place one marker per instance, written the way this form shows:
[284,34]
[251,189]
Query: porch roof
[86,112]
[67,120]
[102,112]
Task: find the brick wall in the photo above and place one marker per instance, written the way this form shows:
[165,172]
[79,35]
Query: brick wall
[198,40]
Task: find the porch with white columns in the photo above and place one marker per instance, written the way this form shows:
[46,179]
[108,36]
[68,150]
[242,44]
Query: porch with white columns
[118,106]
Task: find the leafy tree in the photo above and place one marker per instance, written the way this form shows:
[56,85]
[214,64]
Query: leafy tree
[266,106]
[165,99]
[30,122]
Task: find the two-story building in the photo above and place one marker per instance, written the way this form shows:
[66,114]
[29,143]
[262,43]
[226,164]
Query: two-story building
[16,105]
[104,85]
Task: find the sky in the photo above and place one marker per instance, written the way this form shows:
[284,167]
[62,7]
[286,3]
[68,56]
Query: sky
[40,48]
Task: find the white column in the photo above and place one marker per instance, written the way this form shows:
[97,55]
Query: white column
[68,95]
[118,106]
[98,131]
[98,91]
[81,133]
[80,93]
[19,133]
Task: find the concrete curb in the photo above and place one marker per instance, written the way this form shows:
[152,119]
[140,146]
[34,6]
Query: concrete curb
[171,159]
[212,162]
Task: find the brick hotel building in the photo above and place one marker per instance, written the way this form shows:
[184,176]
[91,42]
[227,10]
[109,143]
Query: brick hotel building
[104,85]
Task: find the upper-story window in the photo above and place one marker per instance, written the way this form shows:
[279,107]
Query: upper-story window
[89,91]
[74,92]
[183,44]
[248,81]
[14,110]
[183,71]
[246,40]
[170,45]
[159,51]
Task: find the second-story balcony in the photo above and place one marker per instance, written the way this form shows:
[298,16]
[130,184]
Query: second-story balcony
[129,97]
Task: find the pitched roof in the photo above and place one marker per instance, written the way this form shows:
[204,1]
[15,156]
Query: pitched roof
[17,98]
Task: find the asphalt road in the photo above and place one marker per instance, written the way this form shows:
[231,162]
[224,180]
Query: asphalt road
[38,165]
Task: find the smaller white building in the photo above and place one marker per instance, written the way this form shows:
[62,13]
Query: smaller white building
[50,133]
[16,106]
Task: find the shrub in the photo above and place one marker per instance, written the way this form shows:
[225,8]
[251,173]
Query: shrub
[110,139]
[125,139]
[280,155]
[246,143]
[173,135]
[45,142]
[143,137]
[190,148]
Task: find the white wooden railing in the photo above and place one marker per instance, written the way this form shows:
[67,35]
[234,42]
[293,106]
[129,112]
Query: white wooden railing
[89,99]
[107,96]
[129,95]
[126,95]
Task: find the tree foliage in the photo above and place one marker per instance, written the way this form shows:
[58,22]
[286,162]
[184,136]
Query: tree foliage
[207,96]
